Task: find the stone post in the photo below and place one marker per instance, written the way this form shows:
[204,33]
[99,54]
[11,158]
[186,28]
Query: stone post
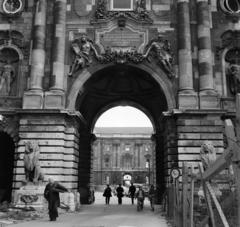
[56,97]
[33,98]
[208,97]
[187,97]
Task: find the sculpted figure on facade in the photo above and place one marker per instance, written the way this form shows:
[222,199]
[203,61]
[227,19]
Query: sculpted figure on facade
[101,12]
[207,154]
[161,47]
[234,69]
[82,48]
[31,161]
[7,74]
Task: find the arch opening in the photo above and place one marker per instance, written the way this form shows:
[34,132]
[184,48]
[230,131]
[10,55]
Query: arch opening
[6,166]
[107,88]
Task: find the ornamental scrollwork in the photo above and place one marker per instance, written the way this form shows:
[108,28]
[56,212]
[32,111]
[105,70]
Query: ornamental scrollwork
[231,8]
[11,9]
[158,49]
[6,121]
[231,40]
[29,198]
[7,39]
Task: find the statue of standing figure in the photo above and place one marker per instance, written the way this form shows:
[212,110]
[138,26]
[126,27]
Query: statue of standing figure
[82,48]
[234,69]
[7,74]
[161,47]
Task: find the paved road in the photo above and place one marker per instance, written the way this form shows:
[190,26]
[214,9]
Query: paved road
[101,215]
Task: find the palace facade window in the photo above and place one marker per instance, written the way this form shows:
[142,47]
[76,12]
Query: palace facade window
[106,162]
[121,5]
[127,159]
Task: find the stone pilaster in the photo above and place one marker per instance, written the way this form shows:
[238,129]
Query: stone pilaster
[34,97]
[209,99]
[55,98]
[187,98]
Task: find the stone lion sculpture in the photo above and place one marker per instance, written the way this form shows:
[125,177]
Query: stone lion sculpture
[207,154]
[31,161]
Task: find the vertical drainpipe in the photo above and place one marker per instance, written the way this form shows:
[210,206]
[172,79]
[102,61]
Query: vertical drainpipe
[184,47]
[57,78]
[39,44]
[204,47]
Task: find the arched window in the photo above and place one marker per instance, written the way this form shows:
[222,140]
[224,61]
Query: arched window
[127,160]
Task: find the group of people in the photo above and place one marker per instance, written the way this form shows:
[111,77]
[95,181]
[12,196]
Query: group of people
[139,195]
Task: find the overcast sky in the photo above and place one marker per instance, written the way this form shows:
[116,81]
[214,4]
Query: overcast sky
[123,117]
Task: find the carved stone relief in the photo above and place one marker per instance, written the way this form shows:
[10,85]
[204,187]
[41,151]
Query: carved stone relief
[231,8]
[11,9]
[157,49]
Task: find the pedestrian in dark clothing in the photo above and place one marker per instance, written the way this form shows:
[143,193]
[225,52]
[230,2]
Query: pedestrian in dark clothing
[131,192]
[51,194]
[152,195]
[120,191]
[107,193]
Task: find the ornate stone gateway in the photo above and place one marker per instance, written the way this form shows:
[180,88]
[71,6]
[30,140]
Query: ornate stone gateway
[64,63]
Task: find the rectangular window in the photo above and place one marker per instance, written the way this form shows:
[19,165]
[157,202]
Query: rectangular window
[122,5]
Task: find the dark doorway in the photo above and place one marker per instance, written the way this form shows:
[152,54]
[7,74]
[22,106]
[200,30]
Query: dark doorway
[6,166]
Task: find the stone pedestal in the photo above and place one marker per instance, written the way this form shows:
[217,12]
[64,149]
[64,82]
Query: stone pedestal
[188,100]
[54,100]
[33,100]
[30,195]
[209,100]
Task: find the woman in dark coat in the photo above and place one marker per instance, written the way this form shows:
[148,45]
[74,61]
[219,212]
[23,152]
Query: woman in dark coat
[107,193]
[51,194]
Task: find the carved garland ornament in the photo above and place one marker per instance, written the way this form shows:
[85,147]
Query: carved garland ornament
[158,48]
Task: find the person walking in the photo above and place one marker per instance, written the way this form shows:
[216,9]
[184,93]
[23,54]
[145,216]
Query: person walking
[140,196]
[107,193]
[51,194]
[119,191]
[131,192]
[152,196]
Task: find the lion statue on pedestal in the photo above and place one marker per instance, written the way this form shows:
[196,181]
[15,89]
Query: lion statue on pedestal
[31,161]
[207,154]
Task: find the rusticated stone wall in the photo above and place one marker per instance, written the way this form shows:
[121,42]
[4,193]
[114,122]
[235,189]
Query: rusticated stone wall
[58,138]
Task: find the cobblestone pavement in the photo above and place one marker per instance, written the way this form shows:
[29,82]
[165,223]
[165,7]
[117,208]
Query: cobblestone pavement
[101,215]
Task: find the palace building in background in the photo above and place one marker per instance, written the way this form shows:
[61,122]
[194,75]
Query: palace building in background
[123,155]
[63,63]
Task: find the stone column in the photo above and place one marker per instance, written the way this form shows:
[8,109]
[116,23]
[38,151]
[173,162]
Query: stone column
[208,97]
[33,98]
[187,97]
[114,156]
[39,45]
[56,97]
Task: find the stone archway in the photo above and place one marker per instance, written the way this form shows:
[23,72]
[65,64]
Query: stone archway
[99,88]
[82,82]
[7,152]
